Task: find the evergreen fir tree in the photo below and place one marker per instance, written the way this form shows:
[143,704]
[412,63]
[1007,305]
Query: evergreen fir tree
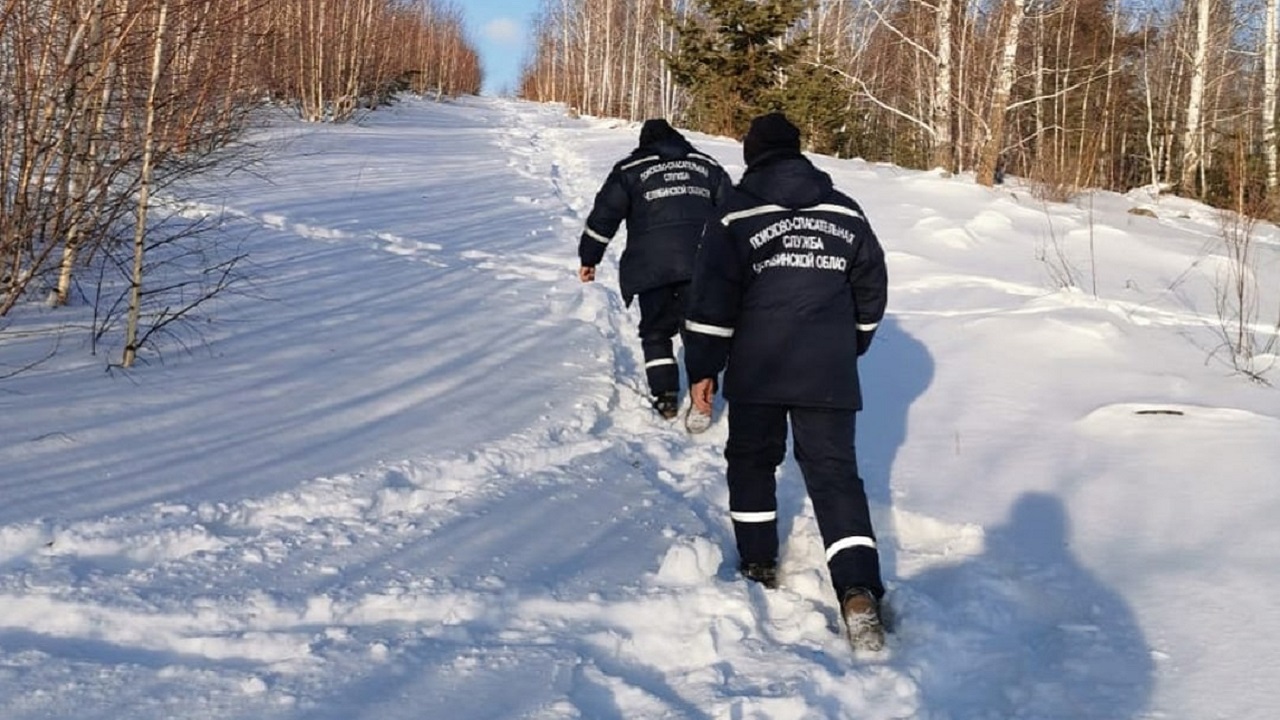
[733,57]
[816,101]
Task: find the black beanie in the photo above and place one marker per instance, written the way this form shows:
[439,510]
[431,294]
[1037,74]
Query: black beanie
[656,130]
[771,134]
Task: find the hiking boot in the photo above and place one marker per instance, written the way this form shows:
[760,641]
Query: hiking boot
[765,573]
[696,421]
[862,622]
[667,404]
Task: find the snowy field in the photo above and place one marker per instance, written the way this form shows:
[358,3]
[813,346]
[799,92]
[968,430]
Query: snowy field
[419,478]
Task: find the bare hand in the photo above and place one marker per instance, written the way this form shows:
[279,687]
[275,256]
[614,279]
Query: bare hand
[586,274]
[702,393]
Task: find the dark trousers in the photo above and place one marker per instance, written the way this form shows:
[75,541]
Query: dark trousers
[661,317]
[824,450]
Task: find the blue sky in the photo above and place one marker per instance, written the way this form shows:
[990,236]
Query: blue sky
[500,29]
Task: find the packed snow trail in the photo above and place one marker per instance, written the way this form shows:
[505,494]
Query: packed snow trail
[567,564]
[471,511]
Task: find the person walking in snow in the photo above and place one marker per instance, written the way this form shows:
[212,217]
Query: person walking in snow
[789,286]
[665,190]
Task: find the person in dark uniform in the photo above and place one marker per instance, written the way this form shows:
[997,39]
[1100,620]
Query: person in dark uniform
[665,190]
[789,286]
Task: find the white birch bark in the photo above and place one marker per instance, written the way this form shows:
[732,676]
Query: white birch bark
[666,84]
[144,191]
[1192,128]
[994,141]
[606,65]
[943,151]
[77,151]
[1040,71]
[1270,86]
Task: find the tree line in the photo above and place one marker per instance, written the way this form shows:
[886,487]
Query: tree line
[1112,94]
[102,102]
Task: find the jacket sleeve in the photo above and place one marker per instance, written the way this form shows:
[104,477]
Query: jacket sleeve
[611,207]
[715,300]
[721,192]
[869,280]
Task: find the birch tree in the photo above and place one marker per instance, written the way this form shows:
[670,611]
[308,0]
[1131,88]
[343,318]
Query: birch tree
[103,102]
[1270,86]
[144,189]
[993,143]
[943,150]
[1192,130]
[78,154]
[604,58]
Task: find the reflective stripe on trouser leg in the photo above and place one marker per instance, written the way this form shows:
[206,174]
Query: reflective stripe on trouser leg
[661,315]
[660,368]
[824,447]
[757,444]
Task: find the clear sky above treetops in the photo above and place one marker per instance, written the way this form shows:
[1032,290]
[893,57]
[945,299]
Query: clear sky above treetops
[500,29]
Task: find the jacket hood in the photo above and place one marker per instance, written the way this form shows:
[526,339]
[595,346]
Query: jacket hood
[789,180]
[657,135]
[771,135]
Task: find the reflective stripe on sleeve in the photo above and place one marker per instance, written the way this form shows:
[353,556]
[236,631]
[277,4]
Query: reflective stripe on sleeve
[640,161]
[753,517]
[849,542]
[659,362]
[832,207]
[595,236]
[868,327]
[766,209]
[716,330]
[751,212]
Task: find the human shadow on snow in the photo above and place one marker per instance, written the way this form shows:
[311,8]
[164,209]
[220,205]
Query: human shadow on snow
[1023,630]
[894,373]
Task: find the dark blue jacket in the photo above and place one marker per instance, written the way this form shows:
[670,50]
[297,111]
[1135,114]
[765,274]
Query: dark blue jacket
[665,190]
[789,286]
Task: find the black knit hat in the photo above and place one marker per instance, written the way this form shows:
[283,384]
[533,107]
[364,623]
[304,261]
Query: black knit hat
[770,135]
[655,130]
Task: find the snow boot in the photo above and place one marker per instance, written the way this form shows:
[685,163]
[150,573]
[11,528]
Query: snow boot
[696,421]
[862,621]
[667,404]
[765,573]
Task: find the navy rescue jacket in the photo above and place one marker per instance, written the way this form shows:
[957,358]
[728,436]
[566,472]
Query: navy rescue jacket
[665,190]
[789,286]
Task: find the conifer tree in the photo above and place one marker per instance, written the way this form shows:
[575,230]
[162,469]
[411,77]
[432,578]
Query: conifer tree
[733,57]
[816,99]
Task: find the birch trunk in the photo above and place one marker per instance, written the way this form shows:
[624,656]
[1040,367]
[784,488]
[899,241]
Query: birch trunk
[606,69]
[76,159]
[993,143]
[1040,71]
[1270,87]
[1192,129]
[943,150]
[144,191]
